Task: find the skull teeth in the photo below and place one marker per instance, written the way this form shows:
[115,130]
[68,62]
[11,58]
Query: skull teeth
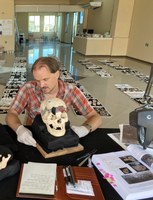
[58,128]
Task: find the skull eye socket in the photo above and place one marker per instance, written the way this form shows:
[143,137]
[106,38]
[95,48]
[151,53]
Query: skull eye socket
[53,110]
[59,121]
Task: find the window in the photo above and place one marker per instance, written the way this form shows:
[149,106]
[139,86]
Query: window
[33,55]
[81,17]
[49,23]
[34,23]
[67,22]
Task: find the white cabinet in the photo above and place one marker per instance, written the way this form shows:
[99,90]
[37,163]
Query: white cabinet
[92,46]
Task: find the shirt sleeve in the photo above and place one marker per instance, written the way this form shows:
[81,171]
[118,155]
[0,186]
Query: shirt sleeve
[80,102]
[20,101]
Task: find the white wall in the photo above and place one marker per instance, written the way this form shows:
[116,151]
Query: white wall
[121,23]
[141,35]
[100,19]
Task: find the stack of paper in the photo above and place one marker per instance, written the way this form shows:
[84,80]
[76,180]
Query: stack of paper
[37,179]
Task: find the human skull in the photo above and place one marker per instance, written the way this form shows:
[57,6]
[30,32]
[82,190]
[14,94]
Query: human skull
[54,115]
[4,160]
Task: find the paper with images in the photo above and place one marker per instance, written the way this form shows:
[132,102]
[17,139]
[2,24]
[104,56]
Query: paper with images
[38,178]
[129,176]
[145,155]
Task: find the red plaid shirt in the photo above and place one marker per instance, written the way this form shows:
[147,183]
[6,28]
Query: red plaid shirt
[30,96]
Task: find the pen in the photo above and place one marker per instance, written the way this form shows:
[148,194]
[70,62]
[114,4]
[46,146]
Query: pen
[72,180]
[81,163]
[66,177]
[87,154]
[84,156]
[72,175]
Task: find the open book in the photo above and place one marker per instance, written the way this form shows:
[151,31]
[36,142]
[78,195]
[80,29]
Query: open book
[130,172]
[37,180]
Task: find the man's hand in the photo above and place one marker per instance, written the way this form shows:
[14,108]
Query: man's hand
[24,136]
[81,131]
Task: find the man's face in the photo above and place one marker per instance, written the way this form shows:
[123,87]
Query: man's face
[46,80]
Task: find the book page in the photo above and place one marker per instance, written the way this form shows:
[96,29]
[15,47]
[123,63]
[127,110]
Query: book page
[38,178]
[130,177]
[142,154]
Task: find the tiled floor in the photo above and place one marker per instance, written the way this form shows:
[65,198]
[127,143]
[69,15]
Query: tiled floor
[118,104]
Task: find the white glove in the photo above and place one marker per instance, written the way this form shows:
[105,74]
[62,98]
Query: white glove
[81,131]
[24,136]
